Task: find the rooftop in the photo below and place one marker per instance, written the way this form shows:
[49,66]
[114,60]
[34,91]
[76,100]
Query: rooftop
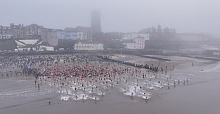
[128,41]
[89,42]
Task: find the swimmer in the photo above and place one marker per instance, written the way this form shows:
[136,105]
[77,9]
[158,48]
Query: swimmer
[168,85]
[49,102]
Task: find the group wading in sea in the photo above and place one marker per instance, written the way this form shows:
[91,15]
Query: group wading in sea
[81,77]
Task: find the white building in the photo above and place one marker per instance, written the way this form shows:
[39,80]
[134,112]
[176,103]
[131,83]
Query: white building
[46,48]
[32,45]
[133,35]
[31,42]
[87,45]
[35,48]
[136,43]
[26,49]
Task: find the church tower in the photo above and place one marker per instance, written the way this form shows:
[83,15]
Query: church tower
[95,22]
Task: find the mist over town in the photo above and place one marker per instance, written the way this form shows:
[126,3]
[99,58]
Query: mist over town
[109,57]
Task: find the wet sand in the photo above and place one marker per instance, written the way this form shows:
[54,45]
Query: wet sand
[201,96]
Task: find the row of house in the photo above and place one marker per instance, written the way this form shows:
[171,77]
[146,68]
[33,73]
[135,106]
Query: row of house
[87,40]
[151,33]
[48,35]
[32,31]
[137,43]
[133,35]
[37,45]
[34,45]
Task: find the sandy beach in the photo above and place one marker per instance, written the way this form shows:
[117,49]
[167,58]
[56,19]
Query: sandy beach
[19,95]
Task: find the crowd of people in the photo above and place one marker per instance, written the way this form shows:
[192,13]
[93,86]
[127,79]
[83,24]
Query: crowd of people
[89,74]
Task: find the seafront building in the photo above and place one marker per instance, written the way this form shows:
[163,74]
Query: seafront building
[136,43]
[88,45]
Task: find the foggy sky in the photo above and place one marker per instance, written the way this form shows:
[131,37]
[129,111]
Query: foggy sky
[199,16]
